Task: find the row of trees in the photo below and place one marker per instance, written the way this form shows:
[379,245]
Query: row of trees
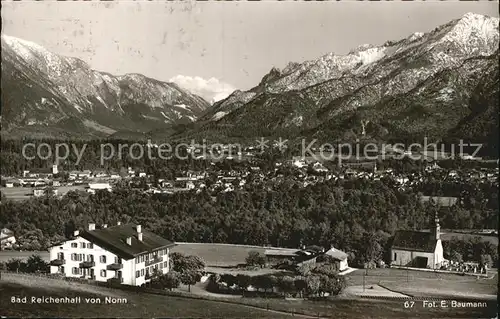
[34,264]
[471,249]
[311,282]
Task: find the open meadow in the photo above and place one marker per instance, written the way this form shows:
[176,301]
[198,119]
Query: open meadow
[217,255]
[24,193]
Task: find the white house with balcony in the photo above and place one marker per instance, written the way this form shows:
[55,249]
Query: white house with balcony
[124,254]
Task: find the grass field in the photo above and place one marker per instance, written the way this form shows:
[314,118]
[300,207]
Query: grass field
[217,255]
[214,255]
[23,193]
[372,309]
[138,305]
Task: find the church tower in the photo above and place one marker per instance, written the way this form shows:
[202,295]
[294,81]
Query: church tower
[436,228]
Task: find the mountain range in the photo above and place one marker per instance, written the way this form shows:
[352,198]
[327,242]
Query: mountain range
[45,93]
[443,85]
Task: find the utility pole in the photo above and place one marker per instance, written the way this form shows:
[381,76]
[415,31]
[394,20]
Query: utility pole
[364,274]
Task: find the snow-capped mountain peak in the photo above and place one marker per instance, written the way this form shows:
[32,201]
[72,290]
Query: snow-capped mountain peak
[36,55]
[333,83]
[25,48]
[40,86]
[473,31]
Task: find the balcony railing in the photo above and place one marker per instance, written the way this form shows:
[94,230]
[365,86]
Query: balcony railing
[155,260]
[57,262]
[115,280]
[87,264]
[114,266]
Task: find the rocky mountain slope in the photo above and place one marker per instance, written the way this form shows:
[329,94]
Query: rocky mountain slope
[45,93]
[442,84]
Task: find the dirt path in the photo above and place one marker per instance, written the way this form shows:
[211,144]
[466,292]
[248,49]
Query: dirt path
[371,291]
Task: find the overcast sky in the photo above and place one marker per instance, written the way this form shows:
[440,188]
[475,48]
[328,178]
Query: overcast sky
[233,42]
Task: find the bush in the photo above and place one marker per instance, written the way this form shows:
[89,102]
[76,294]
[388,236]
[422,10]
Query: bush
[332,285]
[169,281]
[255,258]
[243,281]
[286,284]
[15,265]
[327,269]
[35,263]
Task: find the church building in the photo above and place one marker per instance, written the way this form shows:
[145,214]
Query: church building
[418,248]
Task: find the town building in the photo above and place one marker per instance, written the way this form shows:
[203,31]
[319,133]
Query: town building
[339,257]
[38,192]
[72,175]
[41,172]
[124,254]
[99,173]
[300,257]
[279,255]
[332,255]
[93,187]
[417,248]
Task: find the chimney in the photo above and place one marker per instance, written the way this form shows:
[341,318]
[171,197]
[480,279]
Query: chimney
[76,233]
[119,223]
[105,226]
[139,236]
[129,241]
[91,226]
[139,229]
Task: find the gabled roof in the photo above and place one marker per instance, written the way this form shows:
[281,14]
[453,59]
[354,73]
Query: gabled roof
[6,233]
[114,239]
[336,254]
[282,252]
[414,241]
